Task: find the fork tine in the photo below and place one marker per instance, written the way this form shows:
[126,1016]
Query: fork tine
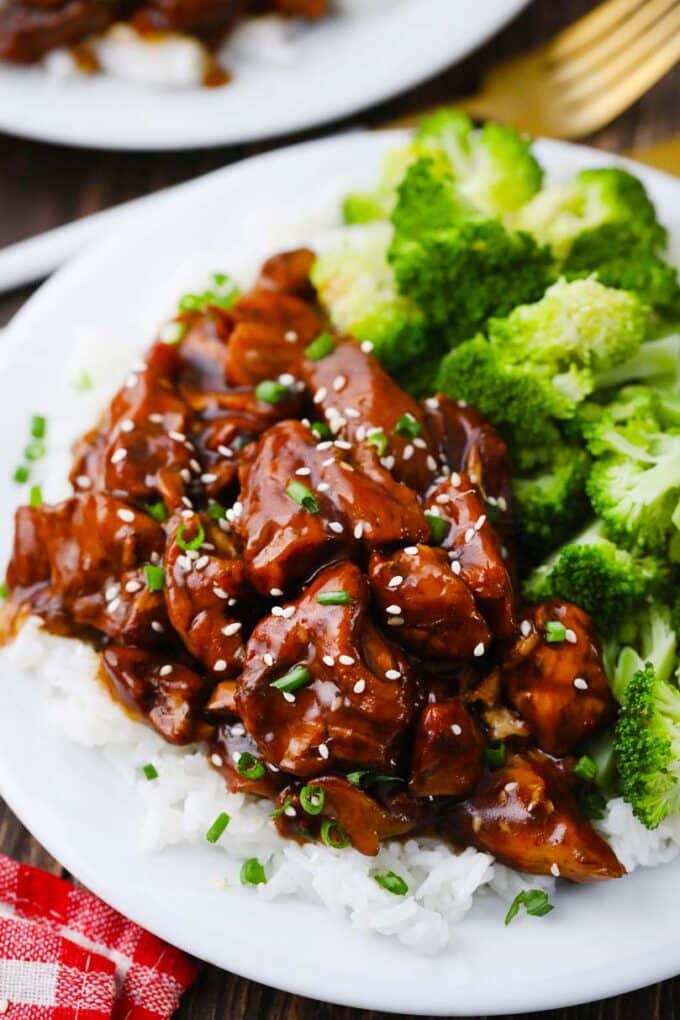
[591,26]
[628,62]
[620,38]
[609,102]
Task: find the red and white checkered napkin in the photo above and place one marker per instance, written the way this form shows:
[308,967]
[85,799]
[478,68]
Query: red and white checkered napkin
[65,955]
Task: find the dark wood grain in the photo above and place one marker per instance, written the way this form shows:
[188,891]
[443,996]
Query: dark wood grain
[42,186]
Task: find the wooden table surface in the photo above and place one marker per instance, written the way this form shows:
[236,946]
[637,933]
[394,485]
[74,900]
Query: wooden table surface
[42,186]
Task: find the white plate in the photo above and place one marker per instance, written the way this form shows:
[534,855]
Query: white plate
[341,65]
[597,942]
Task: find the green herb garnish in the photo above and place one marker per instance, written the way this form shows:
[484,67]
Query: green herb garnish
[35,497]
[253,873]
[195,543]
[393,883]
[333,835]
[408,427]
[218,827]
[155,577]
[21,474]
[158,511]
[334,598]
[438,528]
[303,496]
[534,901]
[270,392]
[379,440]
[249,766]
[38,426]
[312,799]
[297,677]
[320,348]
[495,754]
[150,771]
[555,632]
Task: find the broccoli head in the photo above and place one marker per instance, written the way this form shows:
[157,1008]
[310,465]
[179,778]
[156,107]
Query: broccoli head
[457,265]
[355,284]
[647,747]
[648,636]
[596,574]
[599,215]
[634,484]
[654,281]
[552,503]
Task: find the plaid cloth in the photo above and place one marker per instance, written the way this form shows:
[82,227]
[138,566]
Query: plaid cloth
[65,955]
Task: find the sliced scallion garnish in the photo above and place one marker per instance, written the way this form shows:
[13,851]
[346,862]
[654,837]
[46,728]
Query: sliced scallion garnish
[408,427]
[195,542]
[333,835]
[253,873]
[334,598]
[150,771]
[271,392]
[312,799]
[155,577]
[249,766]
[218,827]
[297,677]
[394,884]
[320,348]
[303,496]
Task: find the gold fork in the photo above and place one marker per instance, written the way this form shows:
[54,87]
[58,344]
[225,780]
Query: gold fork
[584,77]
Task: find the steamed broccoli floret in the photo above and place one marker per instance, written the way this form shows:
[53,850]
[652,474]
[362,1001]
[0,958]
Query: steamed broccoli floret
[552,504]
[492,166]
[656,361]
[356,286]
[654,281]
[459,266]
[606,581]
[647,747]
[600,215]
[649,636]
[635,481]
[541,361]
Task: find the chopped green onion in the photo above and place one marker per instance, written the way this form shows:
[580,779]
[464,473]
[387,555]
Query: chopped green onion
[365,777]
[438,528]
[270,392]
[217,512]
[253,873]
[333,835]
[379,440]
[408,427]
[585,768]
[495,754]
[4,590]
[534,901]
[321,430]
[303,496]
[334,598]
[393,883]
[280,810]
[312,799]
[249,766]
[195,542]
[21,474]
[218,827]
[82,382]
[155,577]
[35,496]
[297,677]
[38,426]
[35,450]
[150,771]
[593,805]
[222,295]
[173,332]
[321,347]
[158,511]
[555,631]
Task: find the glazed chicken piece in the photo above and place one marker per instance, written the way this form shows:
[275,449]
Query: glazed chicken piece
[288,273]
[167,693]
[469,444]
[433,608]
[526,815]
[140,449]
[301,8]
[82,563]
[202,354]
[474,549]
[207,18]
[321,687]
[234,754]
[555,678]
[354,816]
[28,30]
[207,595]
[448,746]
[303,503]
[360,401]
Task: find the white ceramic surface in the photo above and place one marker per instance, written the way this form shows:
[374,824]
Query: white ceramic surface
[597,942]
[341,65]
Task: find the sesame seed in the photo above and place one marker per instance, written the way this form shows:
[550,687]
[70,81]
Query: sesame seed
[358,530]
[456,567]
[361,433]
[456,729]
[83,482]
[478,650]
[352,412]
[202,562]
[339,383]
[127,425]
[288,612]
[328,462]
[268,659]
[179,437]
[476,823]
[207,477]
[432,404]
[286,379]
[323,487]
[443,498]
[232,601]
[113,605]
[392,674]
[366,346]
[431,462]
[221,593]
[525,628]
[156,418]
[395,581]
[216,760]
[126,515]
[195,466]
[469,535]
[511,787]
[395,621]
[186,502]
[336,526]
[408,451]
[359,687]
[336,703]
[133,586]
[411,550]
[303,471]
[118,455]
[342,445]
[325,445]
[220,665]
[131,381]
[320,395]
[435,511]
[289,697]
[393,610]
[165,670]
[225,451]
[328,660]
[276,592]
[291,336]
[580,684]
[185,475]
[570,636]
[346,660]
[290,811]
[112,591]
[502,503]
[388,462]
[231,629]
[277,611]
[480,522]
[157,627]
[455,478]
[323,751]
[183,562]
[420,443]
[555,870]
